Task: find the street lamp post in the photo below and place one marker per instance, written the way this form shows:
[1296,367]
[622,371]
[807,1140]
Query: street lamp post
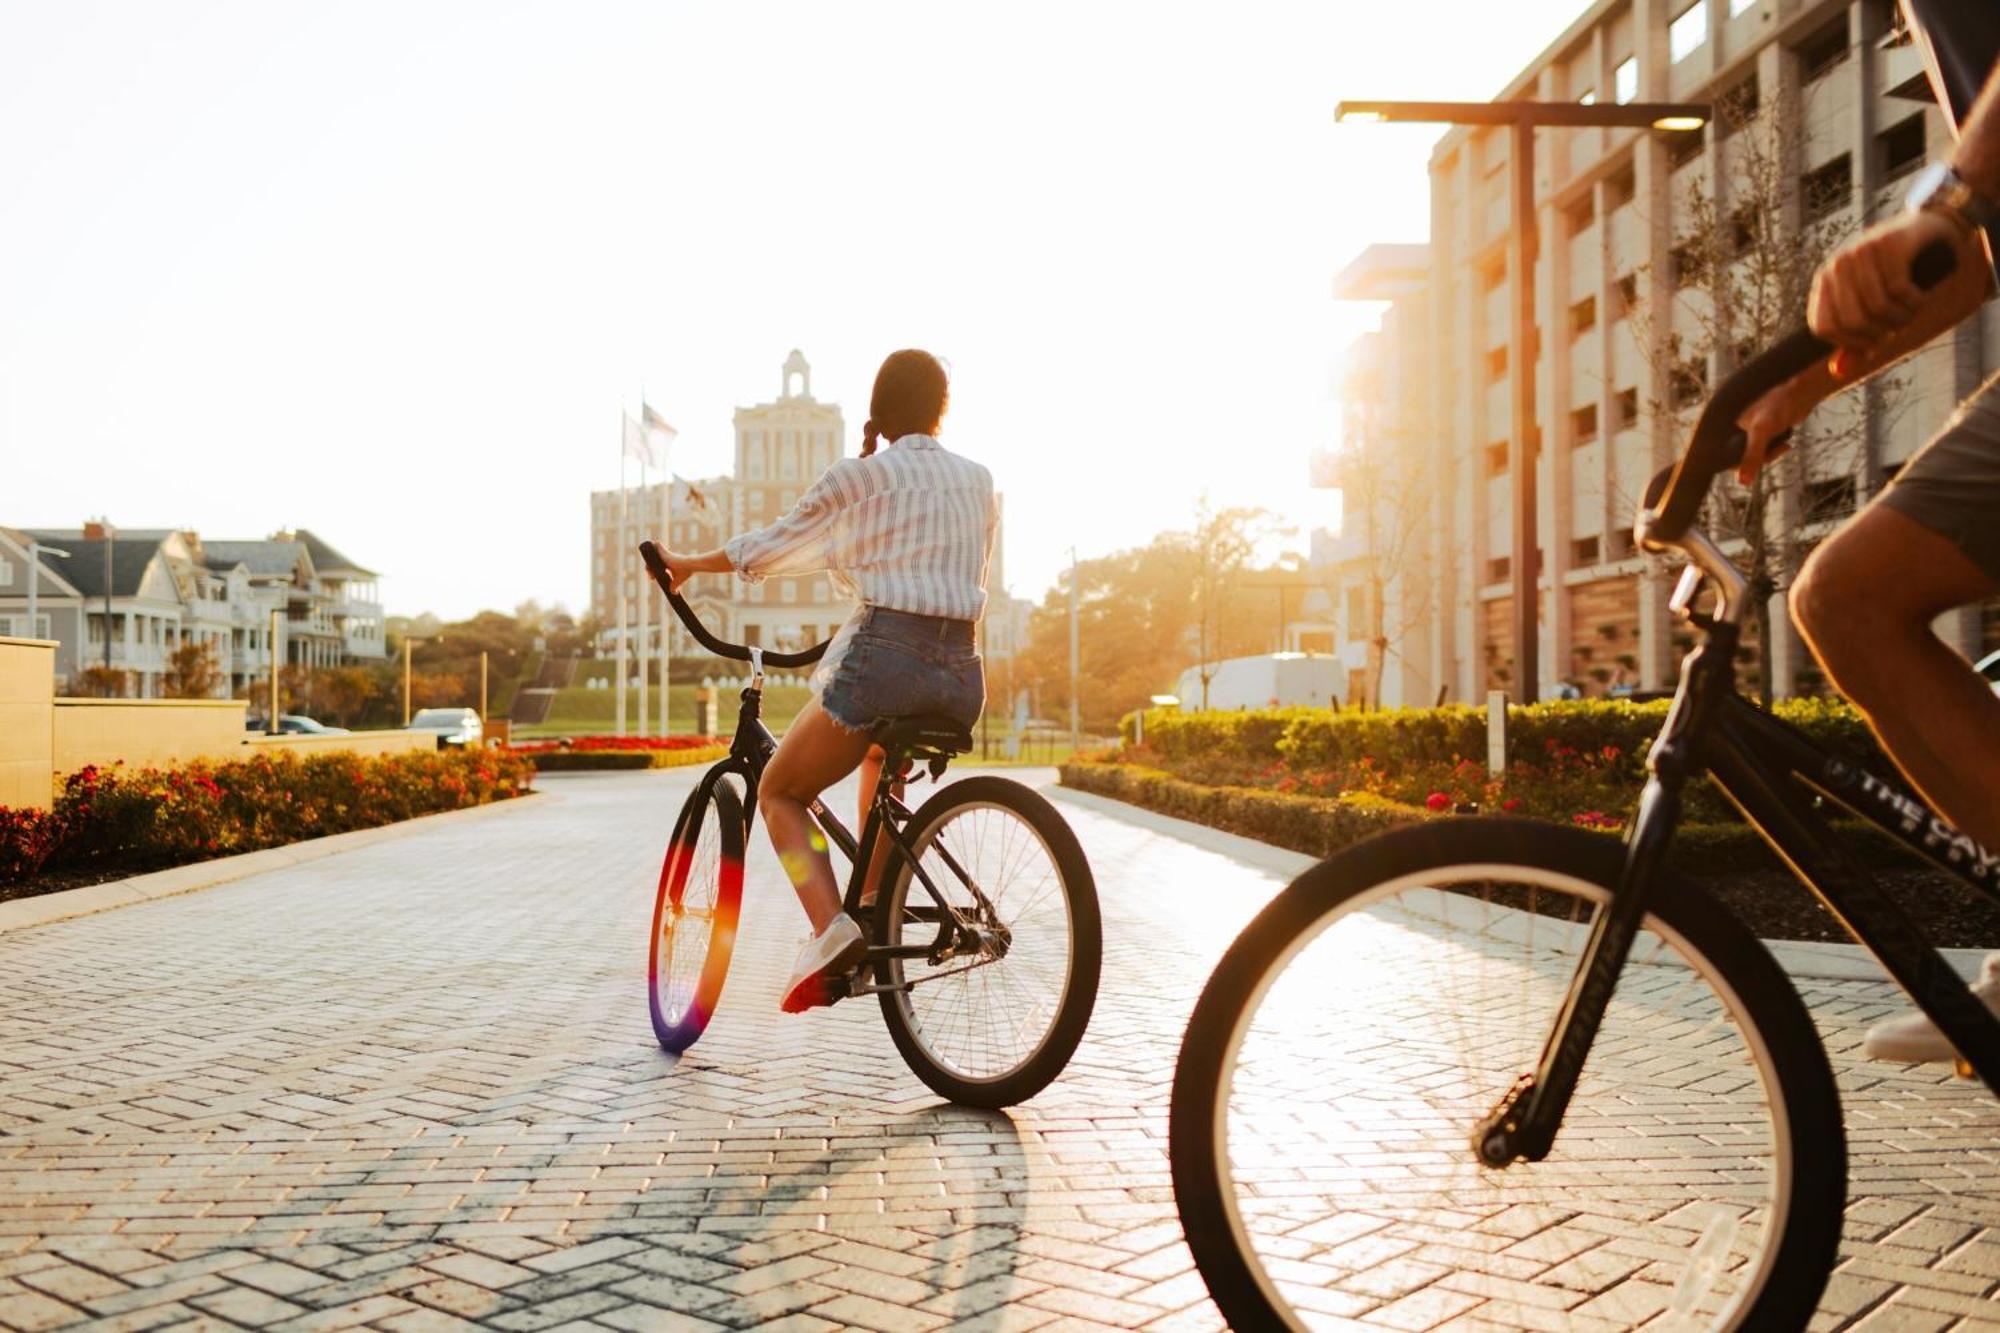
[408,641]
[35,553]
[1521,119]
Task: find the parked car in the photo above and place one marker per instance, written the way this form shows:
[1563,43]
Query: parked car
[451,726]
[296,724]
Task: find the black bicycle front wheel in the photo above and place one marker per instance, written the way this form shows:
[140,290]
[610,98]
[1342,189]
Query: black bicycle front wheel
[990,1022]
[695,910]
[1353,1036]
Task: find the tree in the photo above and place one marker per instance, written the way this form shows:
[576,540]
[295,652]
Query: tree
[101,683]
[191,673]
[1222,541]
[1740,269]
[346,696]
[1386,495]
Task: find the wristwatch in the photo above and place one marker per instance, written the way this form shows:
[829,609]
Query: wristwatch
[1942,189]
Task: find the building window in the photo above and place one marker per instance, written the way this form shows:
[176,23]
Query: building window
[1583,424]
[1357,614]
[1828,498]
[1735,109]
[1826,190]
[1619,188]
[1686,33]
[753,636]
[788,591]
[1683,148]
[1496,459]
[1742,232]
[1901,147]
[1625,80]
[1684,264]
[1578,217]
[1628,294]
[1588,97]
[1496,364]
[1689,382]
[1498,569]
[1625,408]
[1583,552]
[819,590]
[1821,53]
[1737,7]
[1583,317]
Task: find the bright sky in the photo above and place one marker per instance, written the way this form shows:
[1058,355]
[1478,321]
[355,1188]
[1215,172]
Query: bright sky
[390,271]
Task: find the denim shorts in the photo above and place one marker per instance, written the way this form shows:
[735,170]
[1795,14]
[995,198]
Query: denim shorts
[895,663]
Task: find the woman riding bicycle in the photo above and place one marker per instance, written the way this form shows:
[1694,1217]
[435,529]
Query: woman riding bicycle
[907,530]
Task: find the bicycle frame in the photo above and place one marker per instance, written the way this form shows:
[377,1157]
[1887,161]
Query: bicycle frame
[1774,775]
[751,748]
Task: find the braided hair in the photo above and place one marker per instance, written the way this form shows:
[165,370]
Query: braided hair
[910,398]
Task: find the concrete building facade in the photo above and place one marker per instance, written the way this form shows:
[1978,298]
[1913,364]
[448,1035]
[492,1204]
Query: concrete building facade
[1836,92]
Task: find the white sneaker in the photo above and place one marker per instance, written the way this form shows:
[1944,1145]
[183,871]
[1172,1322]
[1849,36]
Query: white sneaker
[829,953]
[1914,1039]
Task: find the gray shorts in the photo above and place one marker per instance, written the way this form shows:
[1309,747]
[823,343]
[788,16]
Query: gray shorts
[1952,485]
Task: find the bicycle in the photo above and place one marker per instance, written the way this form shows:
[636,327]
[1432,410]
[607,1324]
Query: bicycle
[985,942]
[1501,982]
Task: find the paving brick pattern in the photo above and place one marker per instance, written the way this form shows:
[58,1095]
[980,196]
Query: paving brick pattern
[412,1087]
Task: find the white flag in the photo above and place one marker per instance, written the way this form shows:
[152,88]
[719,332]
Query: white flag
[636,444]
[659,435]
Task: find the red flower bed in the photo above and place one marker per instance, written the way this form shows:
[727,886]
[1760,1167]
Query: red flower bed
[109,819]
[617,743]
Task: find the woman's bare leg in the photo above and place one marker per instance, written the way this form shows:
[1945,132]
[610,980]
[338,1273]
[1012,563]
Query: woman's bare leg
[815,753]
[871,773]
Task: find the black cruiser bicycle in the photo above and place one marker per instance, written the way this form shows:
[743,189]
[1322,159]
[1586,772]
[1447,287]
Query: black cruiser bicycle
[984,943]
[1537,1054]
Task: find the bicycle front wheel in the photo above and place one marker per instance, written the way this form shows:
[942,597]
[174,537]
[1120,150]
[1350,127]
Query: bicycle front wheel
[694,914]
[1355,1034]
[990,1022]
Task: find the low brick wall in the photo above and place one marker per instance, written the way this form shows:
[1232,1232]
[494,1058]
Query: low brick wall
[145,732]
[27,727]
[360,742]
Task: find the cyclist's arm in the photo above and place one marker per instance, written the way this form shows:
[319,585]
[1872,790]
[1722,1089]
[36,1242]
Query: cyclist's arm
[798,543]
[1864,302]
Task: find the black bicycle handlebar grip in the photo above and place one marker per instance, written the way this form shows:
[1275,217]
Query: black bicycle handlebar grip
[1717,443]
[656,565]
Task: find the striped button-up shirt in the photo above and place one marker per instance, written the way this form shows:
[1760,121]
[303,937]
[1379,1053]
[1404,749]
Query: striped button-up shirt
[909,528]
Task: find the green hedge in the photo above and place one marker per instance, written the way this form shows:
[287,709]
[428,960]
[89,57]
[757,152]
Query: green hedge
[1318,737]
[1318,826]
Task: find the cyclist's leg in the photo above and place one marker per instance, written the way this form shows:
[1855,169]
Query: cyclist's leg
[815,753]
[871,773]
[1866,599]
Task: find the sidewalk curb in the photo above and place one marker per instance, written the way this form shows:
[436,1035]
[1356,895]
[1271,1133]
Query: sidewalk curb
[1817,960]
[25,913]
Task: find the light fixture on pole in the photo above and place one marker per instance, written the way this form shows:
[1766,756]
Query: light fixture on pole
[1521,118]
[35,553]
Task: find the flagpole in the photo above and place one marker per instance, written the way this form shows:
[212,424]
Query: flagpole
[640,653]
[619,566]
[667,647]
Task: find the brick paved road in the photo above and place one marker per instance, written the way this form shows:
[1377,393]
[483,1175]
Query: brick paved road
[414,1085]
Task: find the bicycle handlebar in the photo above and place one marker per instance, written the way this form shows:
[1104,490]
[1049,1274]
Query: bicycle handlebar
[656,565]
[1676,492]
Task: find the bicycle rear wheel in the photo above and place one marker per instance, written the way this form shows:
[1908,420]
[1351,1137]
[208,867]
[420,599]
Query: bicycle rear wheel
[694,914]
[1351,1039]
[991,1025]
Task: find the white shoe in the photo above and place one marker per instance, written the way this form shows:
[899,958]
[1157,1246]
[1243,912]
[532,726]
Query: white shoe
[829,953]
[1914,1039]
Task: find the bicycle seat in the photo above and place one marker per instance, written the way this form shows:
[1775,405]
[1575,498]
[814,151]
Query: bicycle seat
[923,734]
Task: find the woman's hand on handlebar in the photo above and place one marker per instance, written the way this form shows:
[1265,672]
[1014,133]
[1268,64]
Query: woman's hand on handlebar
[682,566]
[1867,305]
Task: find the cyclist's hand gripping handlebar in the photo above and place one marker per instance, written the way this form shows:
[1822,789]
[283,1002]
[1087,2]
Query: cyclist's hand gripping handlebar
[656,565]
[1675,494]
